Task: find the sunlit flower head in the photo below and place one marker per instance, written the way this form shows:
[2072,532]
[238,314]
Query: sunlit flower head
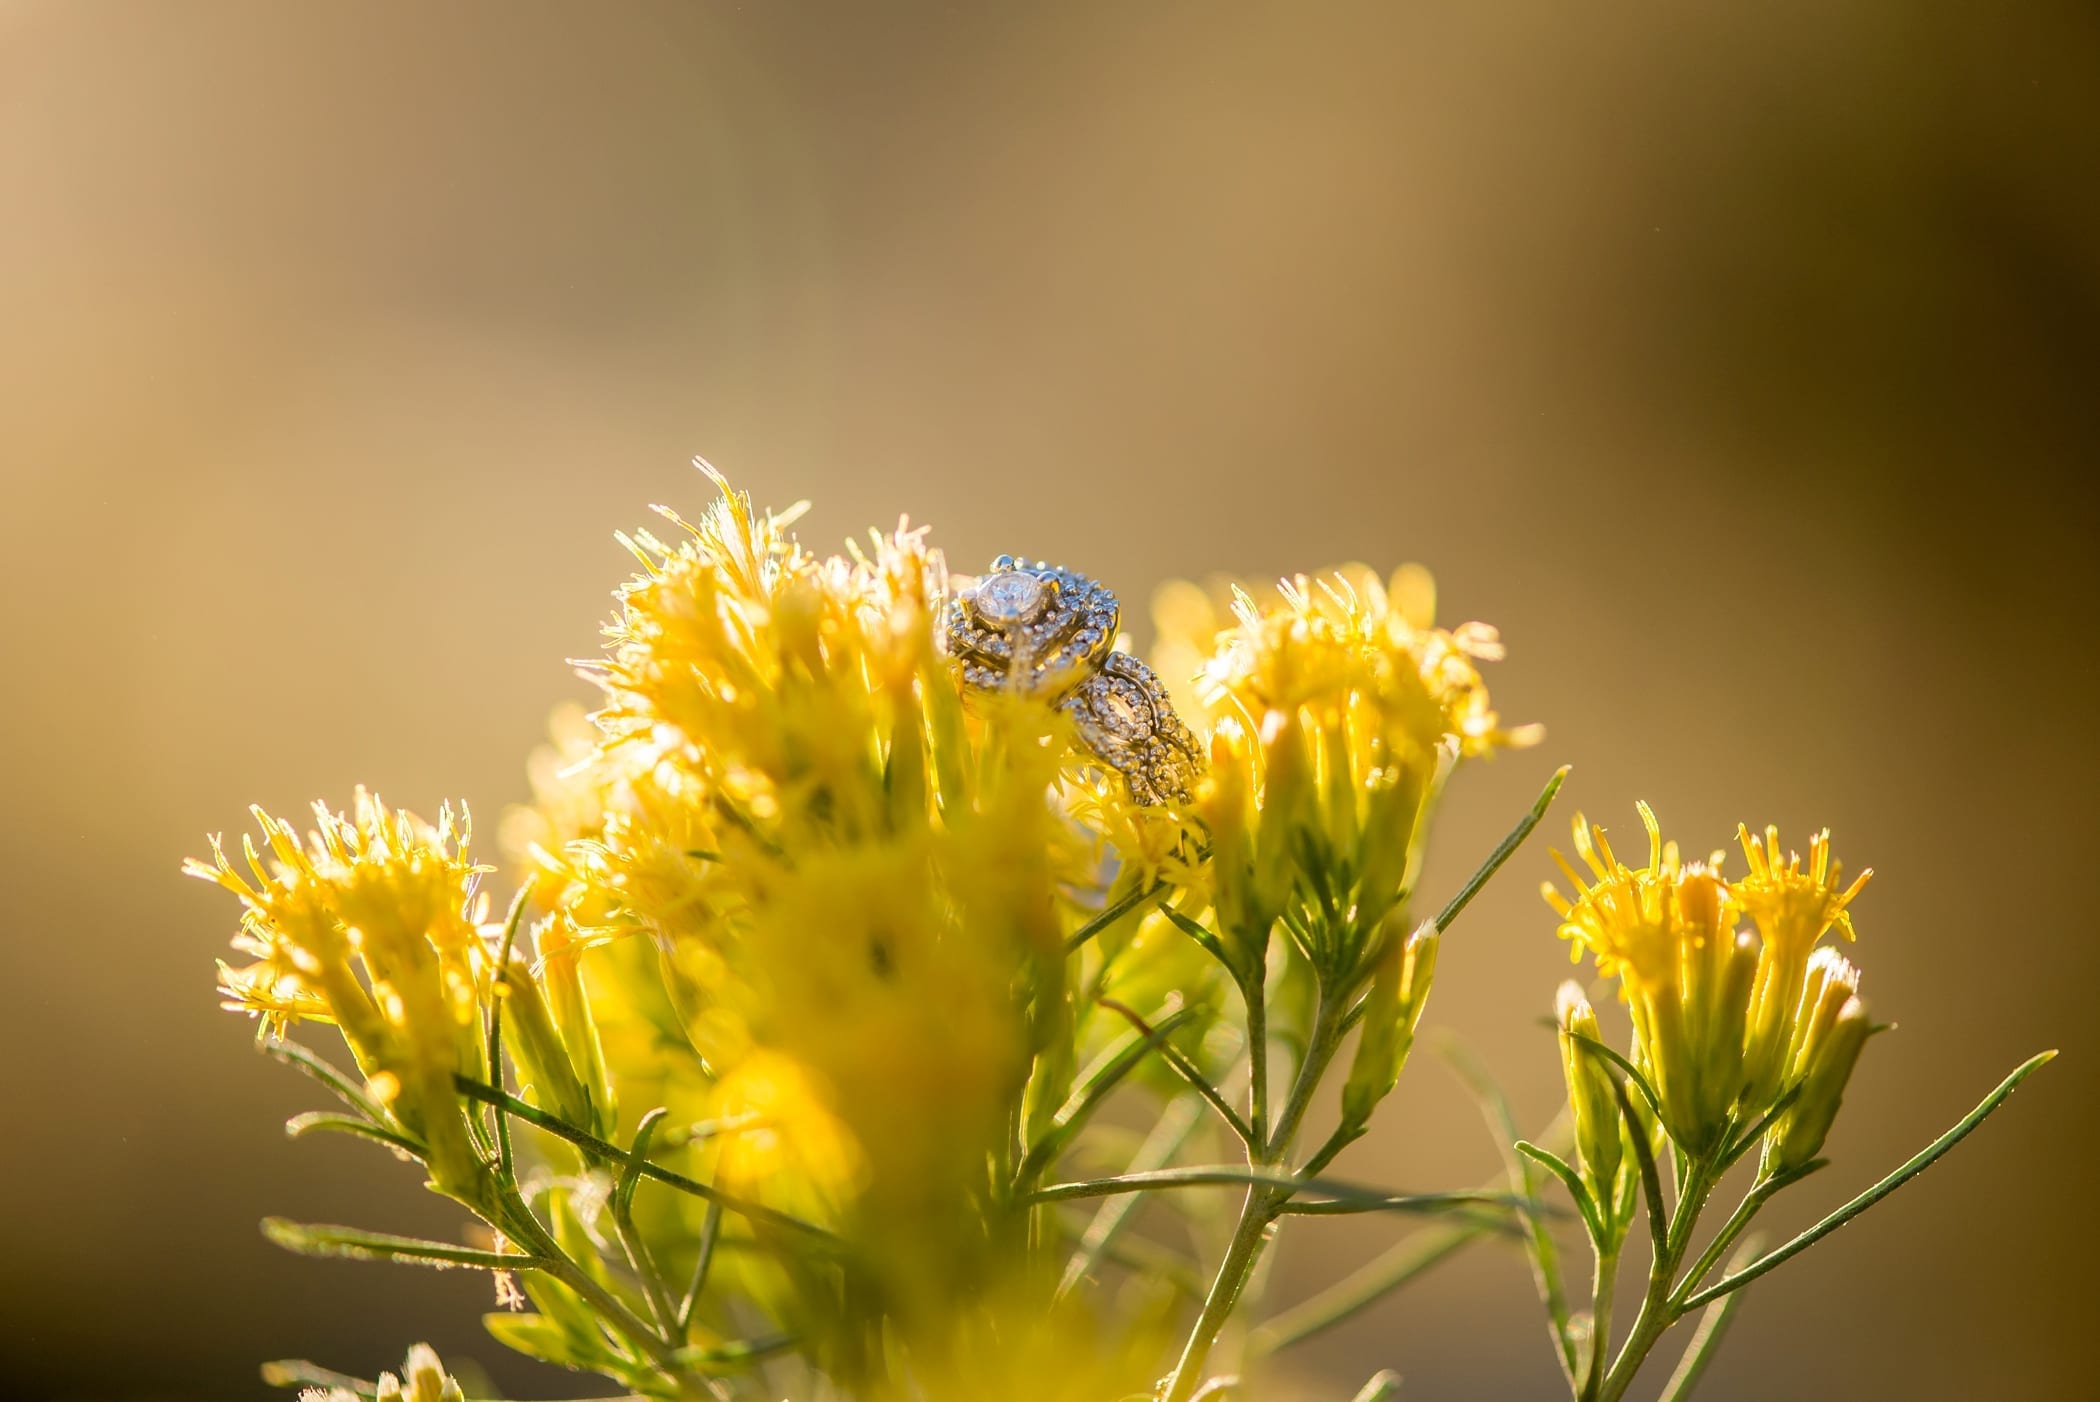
[1336,709]
[1792,909]
[1639,921]
[1790,906]
[370,923]
[375,883]
[1329,642]
[1667,931]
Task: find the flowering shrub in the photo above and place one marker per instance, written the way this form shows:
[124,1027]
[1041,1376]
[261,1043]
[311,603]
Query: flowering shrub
[787,1069]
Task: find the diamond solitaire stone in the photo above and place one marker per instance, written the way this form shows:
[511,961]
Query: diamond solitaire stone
[1008,598]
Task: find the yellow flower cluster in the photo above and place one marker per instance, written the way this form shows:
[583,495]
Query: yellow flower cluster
[1725,1023]
[1335,708]
[854,882]
[371,923]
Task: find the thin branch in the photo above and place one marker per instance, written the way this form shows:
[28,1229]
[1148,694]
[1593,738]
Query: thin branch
[1504,850]
[584,1139]
[1917,1165]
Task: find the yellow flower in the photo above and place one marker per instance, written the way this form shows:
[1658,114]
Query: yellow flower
[1667,931]
[1335,709]
[859,886]
[1792,909]
[1326,641]
[371,924]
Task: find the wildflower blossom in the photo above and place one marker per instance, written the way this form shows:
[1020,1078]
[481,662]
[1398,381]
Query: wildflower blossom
[1792,910]
[1667,931]
[370,924]
[1335,708]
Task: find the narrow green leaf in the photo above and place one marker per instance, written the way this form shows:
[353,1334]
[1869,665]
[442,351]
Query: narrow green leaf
[1336,1195]
[1539,1247]
[308,1062]
[1412,1257]
[1626,1068]
[1504,850]
[311,1239]
[1571,1180]
[631,1243]
[710,1238]
[745,1351]
[613,1153]
[506,1162]
[1212,945]
[1094,1086]
[1190,1072]
[1651,1178]
[297,1372]
[318,1121]
[1176,1122]
[637,1159]
[1917,1165]
[1110,914]
[537,1336]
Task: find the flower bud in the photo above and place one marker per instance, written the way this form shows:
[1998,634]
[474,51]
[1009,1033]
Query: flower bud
[562,959]
[1226,806]
[427,1380]
[1389,852]
[1591,1096]
[1399,989]
[535,1044]
[1831,1053]
[1287,798]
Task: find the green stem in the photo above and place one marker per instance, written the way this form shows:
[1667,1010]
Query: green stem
[1658,1312]
[613,1153]
[1256,1217]
[524,1228]
[1255,991]
[1706,1339]
[1264,1203]
[1753,1201]
[1602,1287]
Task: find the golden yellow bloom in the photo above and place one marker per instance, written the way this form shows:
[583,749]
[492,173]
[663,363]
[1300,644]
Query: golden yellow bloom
[1667,931]
[1336,709]
[858,886]
[1792,909]
[1320,641]
[371,924]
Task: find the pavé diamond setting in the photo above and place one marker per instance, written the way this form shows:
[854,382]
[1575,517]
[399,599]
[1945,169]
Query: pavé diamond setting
[1039,629]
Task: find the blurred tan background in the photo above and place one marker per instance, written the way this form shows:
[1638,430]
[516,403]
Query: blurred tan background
[1742,362]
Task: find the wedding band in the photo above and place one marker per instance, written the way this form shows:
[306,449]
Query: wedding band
[1125,717]
[1037,629]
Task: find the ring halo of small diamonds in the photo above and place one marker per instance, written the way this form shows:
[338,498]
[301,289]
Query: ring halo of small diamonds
[1036,629]
[1031,627]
